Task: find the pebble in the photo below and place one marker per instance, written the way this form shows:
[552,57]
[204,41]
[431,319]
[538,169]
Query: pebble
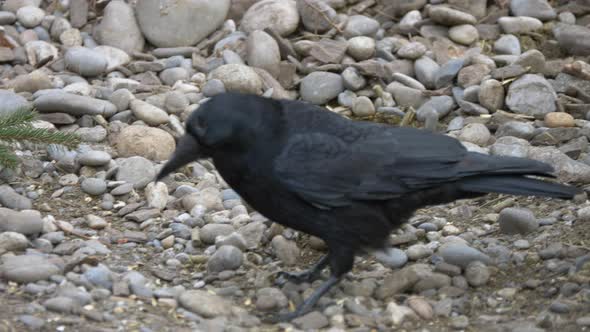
[56,101]
[281,16]
[96,222]
[269,298]
[360,25]
[361,47]
[286,250]
[559,119]
[412,50]
[461,254]
[238,78]
[210,232]
[156,144]
[94,186]
[85,61]
[30,16]
[507,44]
[426,70]
[491,95]
[136,170]
[446,73]
[465,34]
[519,25]
[11,199]
[263,52]
[540,9]
[100,276]
[573,39]
[61,304]
[517,221]
[531,95]
[450,17]
[321,87]
[225,258]
[363,106]
[475,133]
[311,321]
[391,257]
[204,303]
[156,195]
[12,241]
[119,16]
[459,322]
[477,274]
[418,251]
[184,24]
[27,268]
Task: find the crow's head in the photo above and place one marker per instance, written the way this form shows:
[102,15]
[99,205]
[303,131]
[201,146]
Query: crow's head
[227,122]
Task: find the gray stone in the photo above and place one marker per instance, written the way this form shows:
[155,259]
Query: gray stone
[57,101]
[94,134]
[7,18]
[85,61]
[279,15]
[287,251]
[533,59]
[442,105]
[94,158]
[520,24]
[148,113]
[402,280]
[573,39]
[225,258]
[210,232]
[391,257]
[94,186]
[311,321]
[100,276]
[360,25]
[477,274]
[418,251]
[96,222]
[321,87]
[475,133]
[62,304]
[361,47]
[507,44]
[270,299]
[263,52]
[25,222]
[460,254]
[531,95]
[446,73]
[136,170]
[491,95]
[185,24]
[170,76]
[316,15]
[540,9]
[363,106]
[517,221]
[352,79]
[118,16]
[115,57]
[30,16]
[213,87]
[12,241]
[426,70]
[450,17]
[27,268]
[412,50]
[11,102]
[405,96]
[11,199]
[518,129]
[204,303]
[465,34]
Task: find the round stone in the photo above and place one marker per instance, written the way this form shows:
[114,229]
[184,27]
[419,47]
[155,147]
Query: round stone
[559,119]
[280,15]
[465,34]
[238,78]
[94,186]
[361,47]
[180,23]
[30,16]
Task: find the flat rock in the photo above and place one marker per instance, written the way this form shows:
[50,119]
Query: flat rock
[204,303]
[321,87]
[238,78]
[118,16]
[279,15]
[136,170]
[27,268]
[11,199]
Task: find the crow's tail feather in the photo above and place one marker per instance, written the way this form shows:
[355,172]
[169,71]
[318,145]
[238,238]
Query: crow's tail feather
[517,185]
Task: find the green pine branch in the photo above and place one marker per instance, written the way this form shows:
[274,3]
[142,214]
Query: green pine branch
[17,126]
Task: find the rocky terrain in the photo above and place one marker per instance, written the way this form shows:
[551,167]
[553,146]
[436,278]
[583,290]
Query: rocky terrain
[88,241]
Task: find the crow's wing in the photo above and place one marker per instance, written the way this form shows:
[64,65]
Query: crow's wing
[327,172]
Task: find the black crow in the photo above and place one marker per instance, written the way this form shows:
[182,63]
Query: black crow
[349,183]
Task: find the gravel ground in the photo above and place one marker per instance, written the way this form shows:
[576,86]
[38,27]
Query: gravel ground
[89,242]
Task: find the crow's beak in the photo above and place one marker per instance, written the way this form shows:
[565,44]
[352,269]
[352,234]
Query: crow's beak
[187,150]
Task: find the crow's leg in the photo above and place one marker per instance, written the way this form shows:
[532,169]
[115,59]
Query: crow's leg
[309,275]
[341,261]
